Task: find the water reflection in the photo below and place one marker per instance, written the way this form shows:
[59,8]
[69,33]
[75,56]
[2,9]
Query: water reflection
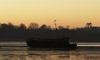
[35,55]
[50,56]
[24,53]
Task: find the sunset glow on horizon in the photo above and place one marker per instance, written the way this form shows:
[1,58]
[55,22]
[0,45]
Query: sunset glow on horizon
[73,13]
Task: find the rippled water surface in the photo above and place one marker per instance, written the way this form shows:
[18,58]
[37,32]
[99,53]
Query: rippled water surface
[20,51]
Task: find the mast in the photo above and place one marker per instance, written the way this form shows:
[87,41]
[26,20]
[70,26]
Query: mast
[55,24]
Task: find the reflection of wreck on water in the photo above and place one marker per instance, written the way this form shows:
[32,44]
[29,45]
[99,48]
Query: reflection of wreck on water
[56,43]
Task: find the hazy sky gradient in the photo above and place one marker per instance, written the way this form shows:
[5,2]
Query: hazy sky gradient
[75,13]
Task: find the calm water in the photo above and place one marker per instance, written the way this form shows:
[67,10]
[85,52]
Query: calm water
[15,51]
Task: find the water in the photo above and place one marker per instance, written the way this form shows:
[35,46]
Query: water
[20,51]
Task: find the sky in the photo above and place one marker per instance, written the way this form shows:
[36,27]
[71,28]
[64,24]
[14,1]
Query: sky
[73,13]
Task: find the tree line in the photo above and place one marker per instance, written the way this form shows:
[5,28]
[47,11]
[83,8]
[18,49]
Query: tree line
[32,26]
[10,32]
[35,26]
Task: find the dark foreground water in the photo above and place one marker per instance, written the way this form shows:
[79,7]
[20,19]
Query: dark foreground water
[19,51]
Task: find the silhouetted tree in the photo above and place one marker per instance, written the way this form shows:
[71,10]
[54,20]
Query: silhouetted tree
[61,27]
[0,25]
[67,27]
[22,26]
[89,25]
[4,26]
[33,26]
[43,26]
[11,26]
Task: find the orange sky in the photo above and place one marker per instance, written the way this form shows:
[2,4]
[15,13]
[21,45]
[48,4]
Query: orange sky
[75,13]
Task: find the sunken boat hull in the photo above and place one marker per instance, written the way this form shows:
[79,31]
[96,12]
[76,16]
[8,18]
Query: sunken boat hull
[61,43]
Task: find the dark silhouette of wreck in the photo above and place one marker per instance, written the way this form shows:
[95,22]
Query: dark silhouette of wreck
[57,43]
